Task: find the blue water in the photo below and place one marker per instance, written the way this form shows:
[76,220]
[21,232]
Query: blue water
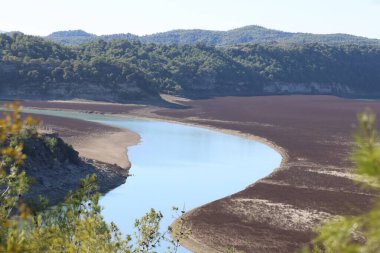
[179,165]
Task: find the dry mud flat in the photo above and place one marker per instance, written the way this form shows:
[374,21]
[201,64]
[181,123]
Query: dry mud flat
[277,213]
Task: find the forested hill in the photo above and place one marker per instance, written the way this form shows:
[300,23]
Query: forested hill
[244,35]
[121,70]
[77,37]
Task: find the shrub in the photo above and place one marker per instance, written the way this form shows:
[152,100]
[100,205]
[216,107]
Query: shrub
[52,144]
[357,234]
[73,226]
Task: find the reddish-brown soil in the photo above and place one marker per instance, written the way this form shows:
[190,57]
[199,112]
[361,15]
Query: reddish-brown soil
[277,213]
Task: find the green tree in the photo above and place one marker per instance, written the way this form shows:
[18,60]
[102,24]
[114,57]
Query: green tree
[357,234]
[73,226]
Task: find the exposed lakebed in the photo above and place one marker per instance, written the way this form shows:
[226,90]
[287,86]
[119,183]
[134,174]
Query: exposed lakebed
[178,165]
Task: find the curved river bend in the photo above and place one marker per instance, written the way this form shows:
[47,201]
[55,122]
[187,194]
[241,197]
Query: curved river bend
[179,165]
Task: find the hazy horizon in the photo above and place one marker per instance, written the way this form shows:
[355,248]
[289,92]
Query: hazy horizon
[270,28]
[42,17]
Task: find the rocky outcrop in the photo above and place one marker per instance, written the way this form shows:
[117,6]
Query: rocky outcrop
[121,92]
[210,86]
[55,169]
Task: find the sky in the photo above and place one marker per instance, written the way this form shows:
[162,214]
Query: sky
[42,17]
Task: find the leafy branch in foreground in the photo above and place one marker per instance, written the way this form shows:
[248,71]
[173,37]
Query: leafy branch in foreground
[357,234]
[73,226]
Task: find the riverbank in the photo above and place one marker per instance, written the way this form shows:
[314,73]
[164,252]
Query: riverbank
[277,213]
[93,140]
[102,151]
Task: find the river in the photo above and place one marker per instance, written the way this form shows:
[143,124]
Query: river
[178,165]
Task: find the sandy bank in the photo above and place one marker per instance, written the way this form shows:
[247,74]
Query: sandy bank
[93,140]
[107,147]
[277,213]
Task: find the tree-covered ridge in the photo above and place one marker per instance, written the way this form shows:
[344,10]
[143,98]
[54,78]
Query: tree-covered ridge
[353,66]
[72,37]
[252,34]
[243,35]
[29,60]
[77,33]
[78,37]
[121,69]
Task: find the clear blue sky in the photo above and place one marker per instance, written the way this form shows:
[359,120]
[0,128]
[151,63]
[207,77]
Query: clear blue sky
[41,17]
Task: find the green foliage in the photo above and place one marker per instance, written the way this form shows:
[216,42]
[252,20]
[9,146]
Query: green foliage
[147,234]
[357,234]
[51,143]
[13,183]
[366,153]
[247,34]
[199,69]
[73,226]
[179,230]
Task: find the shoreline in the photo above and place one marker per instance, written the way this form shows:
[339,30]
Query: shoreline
[189,243]
[107,147]
[97,141]
[282,151]
[278,212]
[263,140]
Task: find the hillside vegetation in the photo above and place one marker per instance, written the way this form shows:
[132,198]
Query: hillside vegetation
[77,37]
[243,35]
[121,70]
[75,224]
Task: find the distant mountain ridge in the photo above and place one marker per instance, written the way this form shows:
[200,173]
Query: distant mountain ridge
[78,37]
[71,33]
[120,70]
[243,35]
